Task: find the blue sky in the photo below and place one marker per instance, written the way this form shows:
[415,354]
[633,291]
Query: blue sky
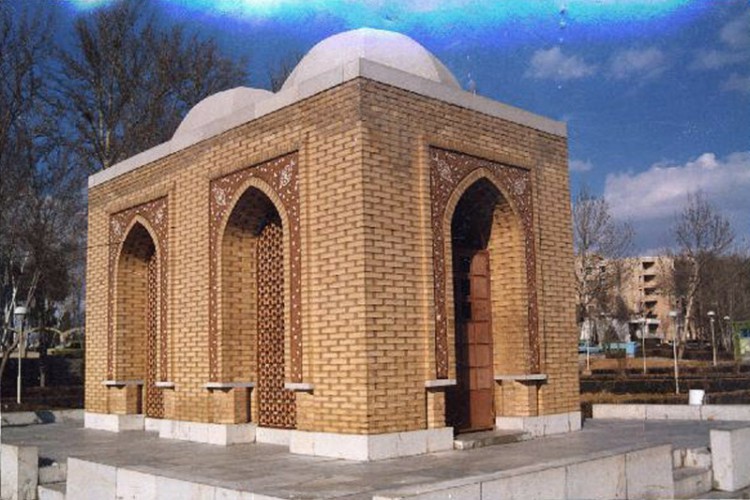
[656,93]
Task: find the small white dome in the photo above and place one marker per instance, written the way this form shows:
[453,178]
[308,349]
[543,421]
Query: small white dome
[384,47]
[220,105]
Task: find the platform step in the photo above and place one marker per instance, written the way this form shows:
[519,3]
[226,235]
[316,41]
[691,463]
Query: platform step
[474,440]
[689,482]
[51,471]
[52,491]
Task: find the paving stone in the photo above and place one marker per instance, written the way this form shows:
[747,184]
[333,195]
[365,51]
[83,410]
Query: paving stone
[273,472]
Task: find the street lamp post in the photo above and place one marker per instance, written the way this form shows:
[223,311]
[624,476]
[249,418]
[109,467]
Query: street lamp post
[712,316]
[675,334]
[730,332]
[19,313]
[643,341]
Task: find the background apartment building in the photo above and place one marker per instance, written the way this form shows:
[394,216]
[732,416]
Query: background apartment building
[647,296]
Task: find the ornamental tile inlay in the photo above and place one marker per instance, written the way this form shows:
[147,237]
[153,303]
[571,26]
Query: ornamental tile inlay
[281,175]
[156,215]
[448,170]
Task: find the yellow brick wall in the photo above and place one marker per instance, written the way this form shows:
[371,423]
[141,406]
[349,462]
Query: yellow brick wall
[399,127]
[367,305]
[130,321]
[238,301]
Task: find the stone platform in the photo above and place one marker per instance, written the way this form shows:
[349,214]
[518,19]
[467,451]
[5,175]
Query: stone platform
[607,459]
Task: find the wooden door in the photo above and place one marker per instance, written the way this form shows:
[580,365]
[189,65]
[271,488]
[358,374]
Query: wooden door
[474,392]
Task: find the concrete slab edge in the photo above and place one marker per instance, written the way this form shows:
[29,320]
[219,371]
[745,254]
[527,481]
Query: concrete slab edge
[19,471]
[541,425]
[658,457]
[672,412]
[11,419]
[730,454]
[90,480]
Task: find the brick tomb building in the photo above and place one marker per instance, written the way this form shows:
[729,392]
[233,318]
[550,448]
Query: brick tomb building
[357,266]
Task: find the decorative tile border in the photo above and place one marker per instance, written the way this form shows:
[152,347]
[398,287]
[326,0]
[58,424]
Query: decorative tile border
[281,175]
[447,171]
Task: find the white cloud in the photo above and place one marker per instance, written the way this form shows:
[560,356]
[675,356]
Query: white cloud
[553,64]
[653,197]
[737,83]
[580,165]
[736,33]
[629,63]
[735,37]
[716,59]
[661,190]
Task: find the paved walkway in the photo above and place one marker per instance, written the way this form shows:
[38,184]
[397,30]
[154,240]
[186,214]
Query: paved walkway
[273,471]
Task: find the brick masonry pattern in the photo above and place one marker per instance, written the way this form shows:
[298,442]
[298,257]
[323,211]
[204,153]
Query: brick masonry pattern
[368,308]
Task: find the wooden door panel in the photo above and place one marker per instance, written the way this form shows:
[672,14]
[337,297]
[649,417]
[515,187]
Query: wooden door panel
[480,356]
[479,333]
[480,310]
[480,264]
[479,288]
[480,404]
[474,393]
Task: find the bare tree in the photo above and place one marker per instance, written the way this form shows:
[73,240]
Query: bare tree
[601,243]
[702,234]
[40,191]
[130,81]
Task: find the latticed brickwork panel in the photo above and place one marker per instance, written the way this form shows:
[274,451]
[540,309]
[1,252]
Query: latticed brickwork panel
[275,404]
[153,397]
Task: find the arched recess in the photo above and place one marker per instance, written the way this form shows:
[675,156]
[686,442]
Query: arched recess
[137,316]
[138,237]
[253,297]
[451,176]
[489,310]
[247,208]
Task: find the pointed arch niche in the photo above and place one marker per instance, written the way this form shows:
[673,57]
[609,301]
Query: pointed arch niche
[255,292]
[497,200]
[137,352]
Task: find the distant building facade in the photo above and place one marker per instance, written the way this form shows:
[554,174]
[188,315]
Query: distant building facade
[647,296]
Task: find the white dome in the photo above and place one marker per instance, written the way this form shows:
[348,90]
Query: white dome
[220,105]
[384,47]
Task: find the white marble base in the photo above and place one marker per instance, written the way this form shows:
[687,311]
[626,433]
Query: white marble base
[269,435]
[672,412]
[199,432]
[113,423]
[93,481]
[730,455]
[19,467]
[639,473]
[542,425]
[152,424]
[373,446]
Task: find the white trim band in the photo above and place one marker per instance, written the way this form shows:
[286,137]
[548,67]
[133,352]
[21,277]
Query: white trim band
[229,385]
[299,386]
[121,383]
[438,383]
[528,377]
